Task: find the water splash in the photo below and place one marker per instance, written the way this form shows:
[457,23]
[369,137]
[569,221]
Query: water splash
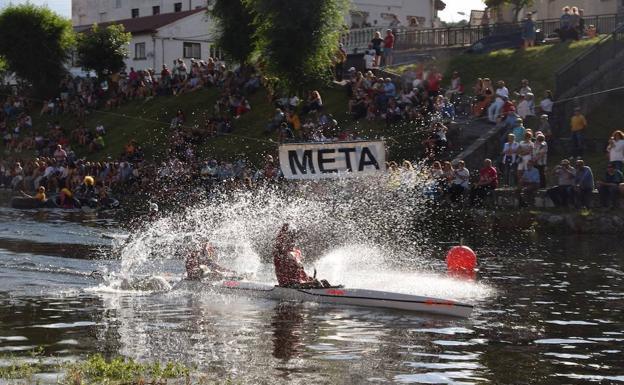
[359,232]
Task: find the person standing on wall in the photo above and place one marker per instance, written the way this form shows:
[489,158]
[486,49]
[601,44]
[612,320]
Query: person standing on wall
[528,31]
[388,48]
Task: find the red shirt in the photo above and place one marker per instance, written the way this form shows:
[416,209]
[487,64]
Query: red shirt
[489,173]
[389,41]
[289,269]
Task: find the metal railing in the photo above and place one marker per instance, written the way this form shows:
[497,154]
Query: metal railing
[406,38]
[568,76]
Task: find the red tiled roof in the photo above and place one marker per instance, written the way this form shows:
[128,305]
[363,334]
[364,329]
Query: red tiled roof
[147,24]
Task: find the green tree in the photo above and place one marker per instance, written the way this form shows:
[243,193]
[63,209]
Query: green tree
[234,29]
[297,39]
[517,5]
[103,50]
[35,44]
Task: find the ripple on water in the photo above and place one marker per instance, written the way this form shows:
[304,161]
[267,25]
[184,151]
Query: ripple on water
[63,325]
[13,338]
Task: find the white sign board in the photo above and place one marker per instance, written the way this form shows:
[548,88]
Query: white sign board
[301,161]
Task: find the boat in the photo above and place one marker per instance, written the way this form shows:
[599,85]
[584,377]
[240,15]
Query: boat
[333,295]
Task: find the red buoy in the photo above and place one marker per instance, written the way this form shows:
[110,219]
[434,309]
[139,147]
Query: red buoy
[461,262]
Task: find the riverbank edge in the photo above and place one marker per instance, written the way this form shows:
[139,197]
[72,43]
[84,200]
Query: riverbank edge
[547,221]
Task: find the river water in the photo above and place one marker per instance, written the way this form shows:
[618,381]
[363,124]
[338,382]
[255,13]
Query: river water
[548,311]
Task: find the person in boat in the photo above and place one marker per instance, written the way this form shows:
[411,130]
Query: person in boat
[40,195]
[66,199]
[200,263]
[86,192]
[288,262]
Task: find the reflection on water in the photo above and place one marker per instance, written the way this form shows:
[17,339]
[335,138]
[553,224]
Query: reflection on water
[549,311]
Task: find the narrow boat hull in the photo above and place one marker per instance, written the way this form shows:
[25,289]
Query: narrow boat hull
[335,295]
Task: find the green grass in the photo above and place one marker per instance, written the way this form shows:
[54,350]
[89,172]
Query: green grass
[538,64]
[147,122]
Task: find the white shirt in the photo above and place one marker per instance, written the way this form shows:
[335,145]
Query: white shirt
[616,152]
[540,153]
[461,177]
[502,92]
[511,149]
[547,105]
[525,108]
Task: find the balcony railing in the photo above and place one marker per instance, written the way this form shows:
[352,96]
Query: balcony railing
[406,38]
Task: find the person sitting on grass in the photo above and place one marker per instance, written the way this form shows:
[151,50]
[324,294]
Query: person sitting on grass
[609,188]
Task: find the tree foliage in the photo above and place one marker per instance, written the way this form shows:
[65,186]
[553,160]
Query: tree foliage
[517,5]
[235,29]
[35,44]
[297,39]
[103,50]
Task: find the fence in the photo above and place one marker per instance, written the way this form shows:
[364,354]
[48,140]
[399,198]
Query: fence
[406,38]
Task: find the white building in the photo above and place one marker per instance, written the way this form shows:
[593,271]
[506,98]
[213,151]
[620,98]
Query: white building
[160,39]
[86,12]
[383,13]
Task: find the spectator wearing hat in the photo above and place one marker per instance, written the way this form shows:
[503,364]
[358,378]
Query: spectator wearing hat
[609,187]
[563,193]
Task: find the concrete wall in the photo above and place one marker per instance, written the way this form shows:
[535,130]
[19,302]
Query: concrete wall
[98,11]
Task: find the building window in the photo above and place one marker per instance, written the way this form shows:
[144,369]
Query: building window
[192,50]
[135,13]
[156,10]
[117,4]
[177,7]
[139,51]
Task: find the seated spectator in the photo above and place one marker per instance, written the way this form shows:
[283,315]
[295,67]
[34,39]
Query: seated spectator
[488,182]
[563,193]
[314,103]
[528,184]
[60,155]
[456,87]
[526,107]
[96,144]
[460,182]
[583,185]
[495,109]
[276,121]
[437,142]
[609,188]
[483,98]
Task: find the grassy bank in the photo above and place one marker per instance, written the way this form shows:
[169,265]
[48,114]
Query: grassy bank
[538,64]
[147,121]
